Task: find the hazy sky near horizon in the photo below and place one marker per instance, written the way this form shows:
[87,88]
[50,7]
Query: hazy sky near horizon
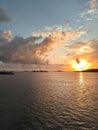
[43,32]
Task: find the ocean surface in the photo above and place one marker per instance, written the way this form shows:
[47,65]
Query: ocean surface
[49,101]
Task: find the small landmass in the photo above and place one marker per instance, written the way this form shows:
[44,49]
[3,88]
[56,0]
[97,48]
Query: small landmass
[60,71]
[37,71]
[90,70]
[6,72]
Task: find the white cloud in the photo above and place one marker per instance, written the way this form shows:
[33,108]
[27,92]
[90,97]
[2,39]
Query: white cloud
[88,15]
[6,35]
[60,34]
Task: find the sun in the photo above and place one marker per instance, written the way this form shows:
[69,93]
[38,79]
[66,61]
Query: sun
[81,64]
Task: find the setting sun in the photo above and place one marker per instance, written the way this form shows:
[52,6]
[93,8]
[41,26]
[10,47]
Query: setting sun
[81,64]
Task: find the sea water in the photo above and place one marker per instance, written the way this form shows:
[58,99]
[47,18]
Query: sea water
[49,101]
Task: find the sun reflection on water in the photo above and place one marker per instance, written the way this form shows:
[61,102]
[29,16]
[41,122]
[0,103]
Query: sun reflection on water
[82,87]
[81,78]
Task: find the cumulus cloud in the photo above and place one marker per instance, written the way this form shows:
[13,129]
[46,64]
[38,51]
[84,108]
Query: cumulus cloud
[20,50]
[40,48]
[34,49]
[59,34]
[4,18]
[6,35]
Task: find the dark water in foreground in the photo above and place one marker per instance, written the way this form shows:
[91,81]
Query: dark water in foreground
[49,101]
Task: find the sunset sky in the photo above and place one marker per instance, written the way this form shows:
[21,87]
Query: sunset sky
[48,34]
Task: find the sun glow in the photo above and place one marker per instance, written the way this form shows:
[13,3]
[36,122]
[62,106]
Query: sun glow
[81,64]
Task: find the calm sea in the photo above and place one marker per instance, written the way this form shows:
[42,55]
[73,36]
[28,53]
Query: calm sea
[49,101]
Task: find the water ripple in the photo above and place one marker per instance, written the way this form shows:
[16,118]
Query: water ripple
[49,101]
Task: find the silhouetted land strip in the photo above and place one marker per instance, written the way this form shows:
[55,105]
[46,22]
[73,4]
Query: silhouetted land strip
[36,71]
[6,72]
[90,70]
[39,71]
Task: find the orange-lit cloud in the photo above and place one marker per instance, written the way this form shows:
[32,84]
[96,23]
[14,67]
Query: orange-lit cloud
[34,49]
[93,3]
[59,34]
[86,50]
[48,46]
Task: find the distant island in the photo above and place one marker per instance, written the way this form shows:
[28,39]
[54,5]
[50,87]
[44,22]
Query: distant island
[36,71]
[90,70]
[39,71]
[6,72]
